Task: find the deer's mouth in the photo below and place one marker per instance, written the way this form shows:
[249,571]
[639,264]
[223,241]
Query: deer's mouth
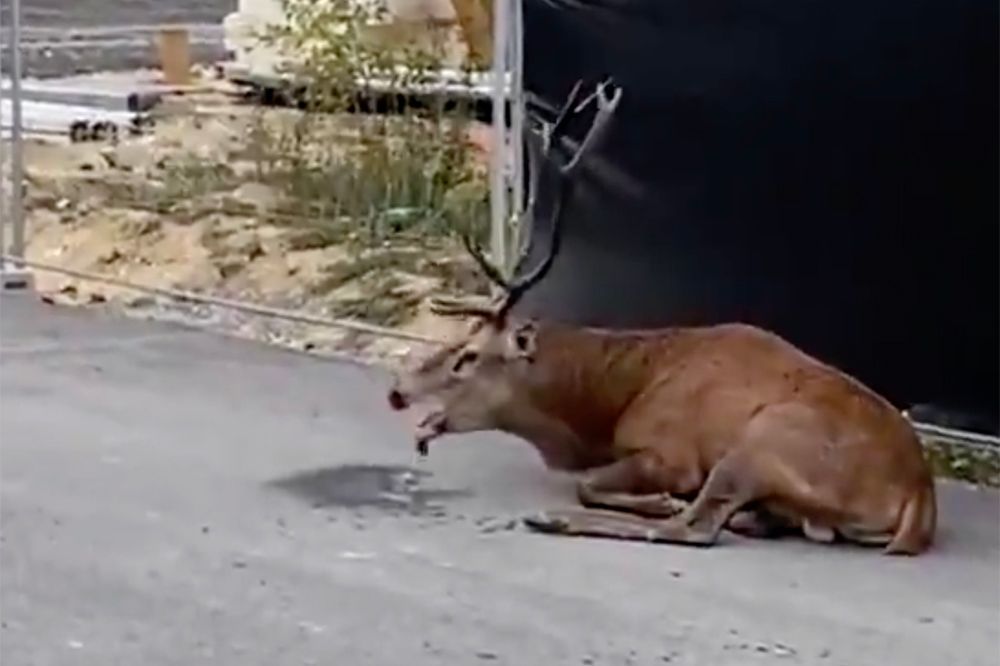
[431,427]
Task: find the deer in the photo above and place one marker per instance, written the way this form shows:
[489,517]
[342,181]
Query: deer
[675,433]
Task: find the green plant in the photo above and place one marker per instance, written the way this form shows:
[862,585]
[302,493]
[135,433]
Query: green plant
[975,465]
[391,172]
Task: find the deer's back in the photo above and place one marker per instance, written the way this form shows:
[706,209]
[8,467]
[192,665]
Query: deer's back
[716,380]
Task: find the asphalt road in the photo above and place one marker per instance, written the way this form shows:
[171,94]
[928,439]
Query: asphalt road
[169,496]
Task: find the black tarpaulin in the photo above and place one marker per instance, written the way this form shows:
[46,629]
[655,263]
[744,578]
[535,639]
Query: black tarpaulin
[825,170]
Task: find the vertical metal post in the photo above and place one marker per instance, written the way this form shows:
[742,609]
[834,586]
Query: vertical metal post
[16,135]
[498,155]
[517,128]
[12,274]
[3,165]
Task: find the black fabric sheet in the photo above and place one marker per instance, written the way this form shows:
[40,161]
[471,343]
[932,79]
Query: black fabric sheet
[827,170]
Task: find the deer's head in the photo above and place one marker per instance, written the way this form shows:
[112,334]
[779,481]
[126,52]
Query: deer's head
[465,385]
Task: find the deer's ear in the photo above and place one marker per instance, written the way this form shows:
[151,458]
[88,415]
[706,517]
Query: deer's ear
[522,341]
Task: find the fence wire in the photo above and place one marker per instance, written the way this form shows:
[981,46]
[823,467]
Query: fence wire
[297,194]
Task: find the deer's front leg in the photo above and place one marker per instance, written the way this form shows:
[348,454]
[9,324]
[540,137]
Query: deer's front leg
[629,485]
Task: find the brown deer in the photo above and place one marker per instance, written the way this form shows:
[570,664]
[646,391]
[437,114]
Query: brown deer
[681,431]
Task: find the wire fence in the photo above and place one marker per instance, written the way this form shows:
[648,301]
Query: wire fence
[334,182]
[326,190]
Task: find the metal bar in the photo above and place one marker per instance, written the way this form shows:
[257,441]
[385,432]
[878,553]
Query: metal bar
[17,138]
[71,32]
[517,130]
[50,117]
[498,184]
[193,297]
[3,169]
[122,101]
[951,435]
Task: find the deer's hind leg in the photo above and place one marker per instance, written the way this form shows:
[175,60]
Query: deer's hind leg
[732,484]
[629,485]
[644,485]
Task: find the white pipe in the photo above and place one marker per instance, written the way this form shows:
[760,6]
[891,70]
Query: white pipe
[972,439]
[126,100]
[33,109]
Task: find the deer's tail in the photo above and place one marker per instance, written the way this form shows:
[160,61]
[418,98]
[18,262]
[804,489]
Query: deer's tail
[917,524]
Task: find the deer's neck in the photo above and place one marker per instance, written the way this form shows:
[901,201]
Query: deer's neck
[582,381]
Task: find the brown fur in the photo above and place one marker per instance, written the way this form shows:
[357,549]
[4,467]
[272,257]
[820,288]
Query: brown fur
[760,436]
[732,416]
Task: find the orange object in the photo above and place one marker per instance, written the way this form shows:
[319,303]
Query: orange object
[175,55]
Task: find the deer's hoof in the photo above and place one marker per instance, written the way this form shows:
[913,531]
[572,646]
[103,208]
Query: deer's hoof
[547,522]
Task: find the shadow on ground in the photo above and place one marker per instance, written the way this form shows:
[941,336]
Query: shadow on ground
[389,487]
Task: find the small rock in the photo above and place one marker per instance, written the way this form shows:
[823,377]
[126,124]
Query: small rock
[352,555]
[141,301]
[131,156]
[824,654]
[239,564]
[676,574]
[486,656]
[925,620]
[204,529]
[783,650]
[258,195]
[140,223]
[110,256]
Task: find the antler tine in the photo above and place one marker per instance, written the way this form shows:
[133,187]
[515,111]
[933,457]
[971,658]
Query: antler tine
[491,271]
[606,108]
[521,286]
[564,113]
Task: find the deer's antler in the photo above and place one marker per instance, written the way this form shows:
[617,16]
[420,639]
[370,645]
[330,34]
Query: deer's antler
[515,289]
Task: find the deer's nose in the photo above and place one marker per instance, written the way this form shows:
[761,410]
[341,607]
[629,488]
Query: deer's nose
[397,400]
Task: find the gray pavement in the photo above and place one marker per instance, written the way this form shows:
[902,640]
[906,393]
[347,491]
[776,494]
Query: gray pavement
[169,496]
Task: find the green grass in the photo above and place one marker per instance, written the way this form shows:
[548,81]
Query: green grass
[973,465]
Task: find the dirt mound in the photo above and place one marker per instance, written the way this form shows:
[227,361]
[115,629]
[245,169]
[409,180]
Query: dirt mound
[187,207]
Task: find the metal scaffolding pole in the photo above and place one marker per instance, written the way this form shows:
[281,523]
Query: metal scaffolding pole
[16,134]
[498,161]
[15,275]
[519,206]
[3,166]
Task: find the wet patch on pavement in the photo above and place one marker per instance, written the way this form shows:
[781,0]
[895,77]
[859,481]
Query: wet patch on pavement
[394,488]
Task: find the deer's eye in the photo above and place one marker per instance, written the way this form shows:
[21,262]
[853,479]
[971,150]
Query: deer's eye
[465,359]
